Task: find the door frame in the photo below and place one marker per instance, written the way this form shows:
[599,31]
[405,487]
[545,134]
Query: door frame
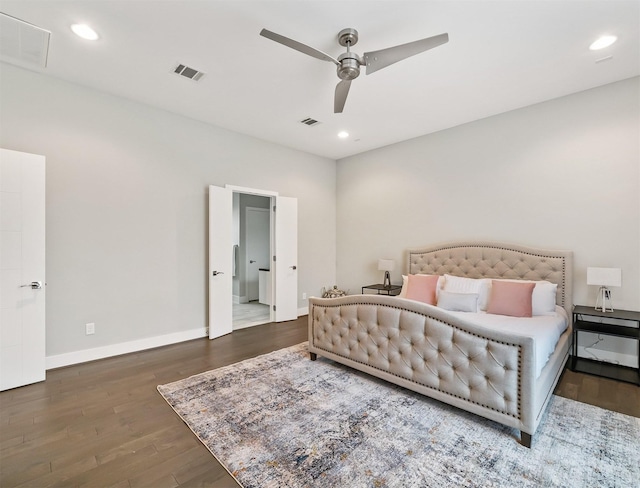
[272,196]
[284,280]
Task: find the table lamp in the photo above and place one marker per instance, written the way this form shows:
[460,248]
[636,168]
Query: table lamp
[386,265]
[604,277]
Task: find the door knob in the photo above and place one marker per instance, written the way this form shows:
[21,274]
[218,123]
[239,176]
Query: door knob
[216,273]
[293,267]
[251,261]
[34,285]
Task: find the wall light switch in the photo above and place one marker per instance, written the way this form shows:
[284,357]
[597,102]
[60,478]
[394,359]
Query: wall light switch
[90,328]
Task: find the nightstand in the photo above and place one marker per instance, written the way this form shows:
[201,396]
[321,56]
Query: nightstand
[583,321]
[383,290]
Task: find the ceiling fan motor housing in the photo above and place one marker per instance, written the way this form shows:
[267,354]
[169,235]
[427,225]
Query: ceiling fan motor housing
[349,68]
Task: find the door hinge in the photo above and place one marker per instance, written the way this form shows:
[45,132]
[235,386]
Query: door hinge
[274,208]
[274,308]
[274,259]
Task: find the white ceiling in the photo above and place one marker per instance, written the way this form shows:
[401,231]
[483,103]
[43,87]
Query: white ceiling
[501,55]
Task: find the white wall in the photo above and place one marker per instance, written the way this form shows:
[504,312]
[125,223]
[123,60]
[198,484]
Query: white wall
[562,174]
[127,199]
[127,207]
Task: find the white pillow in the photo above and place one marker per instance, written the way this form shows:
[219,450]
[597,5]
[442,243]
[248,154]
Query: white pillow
[481,286]
[458,302]
[403,292]
[543,299]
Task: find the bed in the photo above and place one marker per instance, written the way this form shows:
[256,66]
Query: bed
[492,367]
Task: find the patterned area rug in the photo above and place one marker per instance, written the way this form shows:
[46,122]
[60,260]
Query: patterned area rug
[281,420]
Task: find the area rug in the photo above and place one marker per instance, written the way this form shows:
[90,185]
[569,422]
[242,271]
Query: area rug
[281,420]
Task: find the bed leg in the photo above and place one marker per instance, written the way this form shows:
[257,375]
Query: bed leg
[525,439]
[313,356]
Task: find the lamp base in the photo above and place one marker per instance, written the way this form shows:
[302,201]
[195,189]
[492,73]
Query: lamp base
[604,299]
[387,280]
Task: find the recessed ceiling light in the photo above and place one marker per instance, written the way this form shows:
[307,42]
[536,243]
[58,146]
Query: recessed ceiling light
[602,42]
[343,134]
[84,31]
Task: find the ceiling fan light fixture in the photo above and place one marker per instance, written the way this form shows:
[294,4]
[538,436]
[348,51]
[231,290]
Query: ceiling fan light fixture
[343,134]
[84,31]
[602,42]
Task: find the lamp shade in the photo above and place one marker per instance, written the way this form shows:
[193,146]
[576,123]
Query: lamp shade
[604,276]
[386,264]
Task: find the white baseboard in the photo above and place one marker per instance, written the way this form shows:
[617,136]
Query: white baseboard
[85,355]
[608,356]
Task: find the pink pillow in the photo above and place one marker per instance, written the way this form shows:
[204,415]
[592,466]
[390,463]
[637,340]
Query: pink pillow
[511,298]
[422,288]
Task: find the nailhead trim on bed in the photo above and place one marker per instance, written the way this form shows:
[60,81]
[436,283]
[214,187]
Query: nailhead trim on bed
[555,272]
[517,415]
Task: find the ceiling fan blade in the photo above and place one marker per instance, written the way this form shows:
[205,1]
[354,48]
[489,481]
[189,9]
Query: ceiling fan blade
[376,60]
[298,46]
[342,90]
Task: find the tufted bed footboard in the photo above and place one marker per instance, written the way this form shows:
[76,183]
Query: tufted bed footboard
[428,350]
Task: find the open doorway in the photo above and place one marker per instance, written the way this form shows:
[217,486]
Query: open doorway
[252,283]
[224,245]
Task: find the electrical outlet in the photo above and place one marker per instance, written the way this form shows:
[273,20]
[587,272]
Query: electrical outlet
[304,296]
[90,328]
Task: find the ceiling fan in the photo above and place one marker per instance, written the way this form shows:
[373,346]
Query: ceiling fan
[349,63]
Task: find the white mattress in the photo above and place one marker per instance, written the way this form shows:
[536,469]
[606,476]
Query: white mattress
[545,329]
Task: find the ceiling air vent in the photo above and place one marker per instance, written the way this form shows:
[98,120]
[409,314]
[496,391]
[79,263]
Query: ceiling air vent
[187,72]
[309,121]
[22,43]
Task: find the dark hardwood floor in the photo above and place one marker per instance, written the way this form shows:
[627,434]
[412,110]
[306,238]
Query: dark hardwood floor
[103,423]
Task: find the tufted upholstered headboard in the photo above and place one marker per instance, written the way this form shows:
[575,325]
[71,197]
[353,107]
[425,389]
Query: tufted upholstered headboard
[496,260]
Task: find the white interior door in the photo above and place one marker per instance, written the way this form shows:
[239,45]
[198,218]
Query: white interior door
[286,264]
[257,234]
[220,261]
[22,262]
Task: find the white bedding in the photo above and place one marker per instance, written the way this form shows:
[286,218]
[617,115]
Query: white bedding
[545,329]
